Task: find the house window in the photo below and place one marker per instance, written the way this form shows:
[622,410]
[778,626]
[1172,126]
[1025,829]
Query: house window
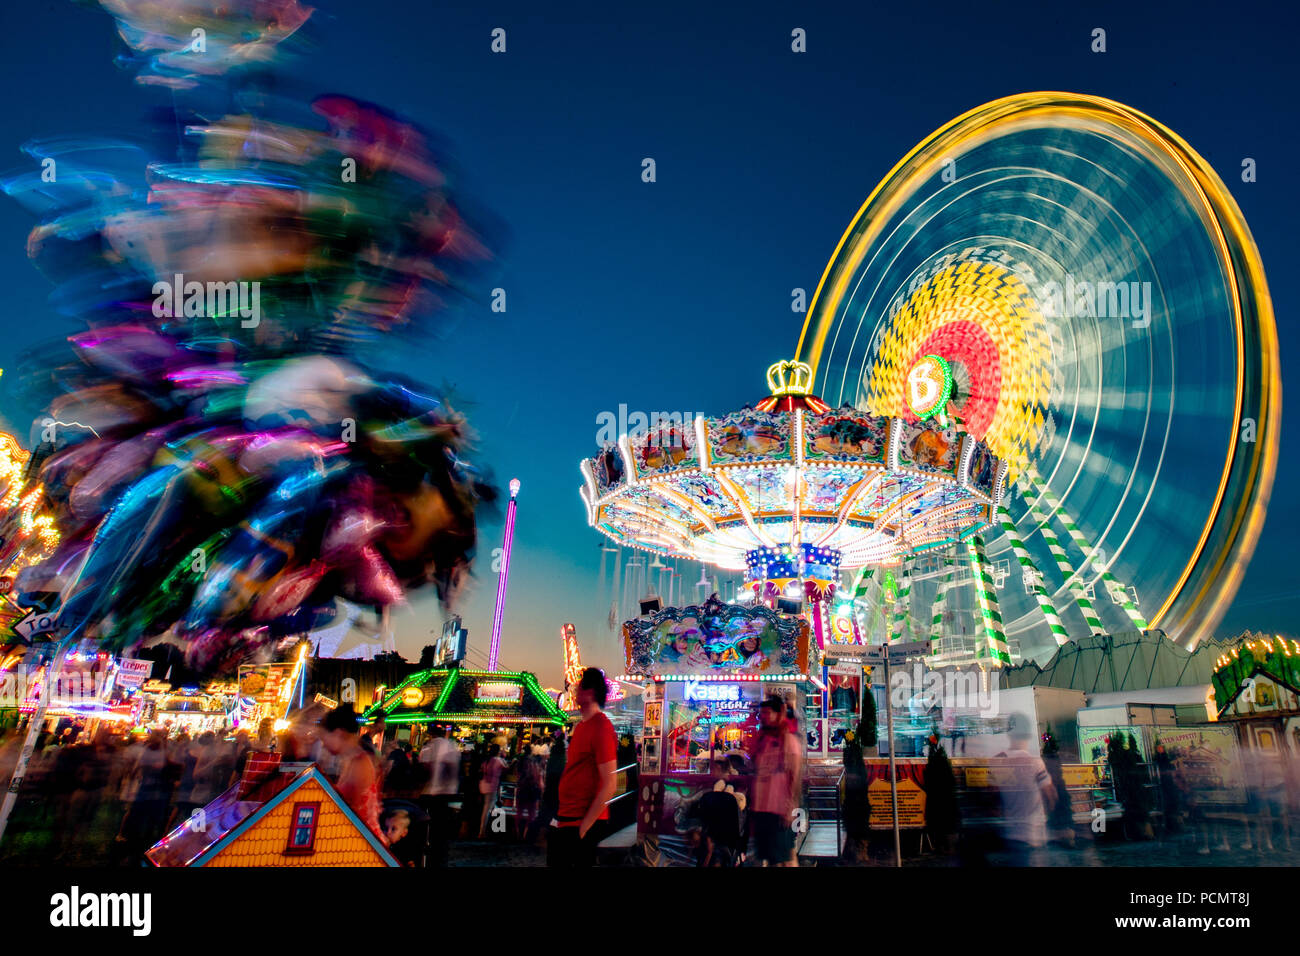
[302,830]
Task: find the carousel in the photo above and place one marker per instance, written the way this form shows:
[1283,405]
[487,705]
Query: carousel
[791,492]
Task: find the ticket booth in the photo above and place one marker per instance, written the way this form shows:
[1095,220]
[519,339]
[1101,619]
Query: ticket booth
[705,669]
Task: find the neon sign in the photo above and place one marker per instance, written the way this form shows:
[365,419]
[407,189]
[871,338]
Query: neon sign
[842,628]
[698,691]
[497,693]
[719,696]
[412,697]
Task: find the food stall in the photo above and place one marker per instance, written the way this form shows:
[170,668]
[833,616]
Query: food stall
[195,710]
[469,702]
[270,691]
[1257,691]
[80,696]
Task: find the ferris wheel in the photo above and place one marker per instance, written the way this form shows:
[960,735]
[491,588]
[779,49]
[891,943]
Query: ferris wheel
[1098,302]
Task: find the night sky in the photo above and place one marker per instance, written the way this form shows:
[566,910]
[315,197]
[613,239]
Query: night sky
[675,295]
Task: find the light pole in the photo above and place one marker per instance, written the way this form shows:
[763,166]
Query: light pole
[504,578]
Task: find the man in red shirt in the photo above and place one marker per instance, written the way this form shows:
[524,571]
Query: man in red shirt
[588,782]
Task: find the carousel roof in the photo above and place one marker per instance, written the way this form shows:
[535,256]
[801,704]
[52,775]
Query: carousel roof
[792,474]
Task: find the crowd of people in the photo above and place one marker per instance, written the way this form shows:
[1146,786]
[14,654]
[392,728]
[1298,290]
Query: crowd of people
[130,790]
[146,784]
[416,802]
[1024,812]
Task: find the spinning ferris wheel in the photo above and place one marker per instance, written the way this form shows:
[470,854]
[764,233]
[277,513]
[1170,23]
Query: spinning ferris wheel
[1101,310]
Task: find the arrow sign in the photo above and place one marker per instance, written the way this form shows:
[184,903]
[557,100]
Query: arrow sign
[36,622]
[898,653]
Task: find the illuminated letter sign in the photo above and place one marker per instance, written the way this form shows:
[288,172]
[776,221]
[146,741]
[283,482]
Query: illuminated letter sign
[412,697]
[723,696]
[498,693]
[929,386]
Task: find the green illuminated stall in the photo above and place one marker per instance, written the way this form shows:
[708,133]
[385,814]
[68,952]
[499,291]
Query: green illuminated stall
[470,698]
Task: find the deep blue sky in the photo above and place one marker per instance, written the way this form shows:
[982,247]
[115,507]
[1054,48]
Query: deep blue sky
[676,295]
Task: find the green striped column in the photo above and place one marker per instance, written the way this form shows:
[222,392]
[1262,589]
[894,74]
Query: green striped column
[1112,585]
[860,589]
[876,621]
[860,585]
[1063,565]
[1044,600]
[902,607]
[995,647]
[936,623]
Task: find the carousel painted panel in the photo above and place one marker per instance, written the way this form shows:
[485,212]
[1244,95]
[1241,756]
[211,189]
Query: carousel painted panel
[825,489]
[646,497]
[716,639]
[768,491]
[897,486]
[607,468]
[983,470]
[846,435]
[929,449]
[750,435]
[665,448]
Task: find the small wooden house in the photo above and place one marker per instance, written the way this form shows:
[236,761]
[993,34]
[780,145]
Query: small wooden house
[277,815]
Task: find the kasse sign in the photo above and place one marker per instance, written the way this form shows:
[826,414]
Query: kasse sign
[722,696]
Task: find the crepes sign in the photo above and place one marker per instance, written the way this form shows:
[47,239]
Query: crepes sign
[132,672]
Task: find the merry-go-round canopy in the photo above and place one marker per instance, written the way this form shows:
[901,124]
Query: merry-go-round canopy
[791,481]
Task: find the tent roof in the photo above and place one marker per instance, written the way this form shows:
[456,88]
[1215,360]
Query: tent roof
[1132,660]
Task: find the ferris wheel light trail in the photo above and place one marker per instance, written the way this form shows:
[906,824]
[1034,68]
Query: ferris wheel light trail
[506,542]
[1095,289]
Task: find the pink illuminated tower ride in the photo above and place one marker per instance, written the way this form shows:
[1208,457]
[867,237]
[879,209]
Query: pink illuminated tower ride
[504,578]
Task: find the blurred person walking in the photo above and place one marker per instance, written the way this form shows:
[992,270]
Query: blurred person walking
[442,758]
[857,807]
[778,779]
[555,760]
[489,785]
[358,780]
[147,815]
[718,810]
[183,755]
[528,791]
[207,761]
[1028,798]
